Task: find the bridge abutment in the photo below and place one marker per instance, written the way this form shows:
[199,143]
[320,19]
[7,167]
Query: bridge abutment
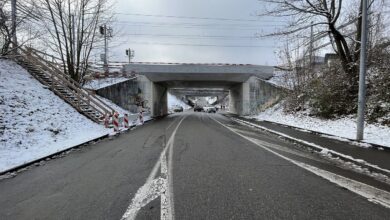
[239,99]
[159,100]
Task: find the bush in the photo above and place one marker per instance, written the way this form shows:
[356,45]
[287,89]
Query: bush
[378,92]
[330,95]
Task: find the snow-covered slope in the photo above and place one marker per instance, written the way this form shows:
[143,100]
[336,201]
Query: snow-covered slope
[211,100]
[343,127]
[34,122]
[174,101]
[96,84]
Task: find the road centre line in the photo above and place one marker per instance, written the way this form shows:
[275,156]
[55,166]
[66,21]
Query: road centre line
[169,177]
[373,194]
[173,122]
[156,187]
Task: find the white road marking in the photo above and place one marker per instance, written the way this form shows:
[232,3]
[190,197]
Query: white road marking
[169,178]
[147,193]
[153,188]
[164,205]
[173,122]
[280,148]
[313,145]
[371,193]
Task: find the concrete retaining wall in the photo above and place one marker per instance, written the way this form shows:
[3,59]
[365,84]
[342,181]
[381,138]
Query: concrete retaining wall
[124,94]
[263,95]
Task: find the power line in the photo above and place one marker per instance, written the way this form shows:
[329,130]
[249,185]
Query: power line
[192,36]
[194,27]
[199,45]
[197,24]
[198,18]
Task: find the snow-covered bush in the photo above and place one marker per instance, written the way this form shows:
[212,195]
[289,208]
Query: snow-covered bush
[332,93]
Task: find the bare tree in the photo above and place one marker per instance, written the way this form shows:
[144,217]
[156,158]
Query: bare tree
[23,23]
[72,31]
[5,28]
[330,18]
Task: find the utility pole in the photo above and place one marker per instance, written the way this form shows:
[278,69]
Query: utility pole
[130,53]
[311,45]
[13,18]
[105,66]
[362,74]
[107,33]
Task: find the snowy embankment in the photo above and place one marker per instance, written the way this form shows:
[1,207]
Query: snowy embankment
[34,122]
[96,84]
[343,127]
[173,101]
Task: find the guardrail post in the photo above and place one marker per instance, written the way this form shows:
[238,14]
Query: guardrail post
[52,82]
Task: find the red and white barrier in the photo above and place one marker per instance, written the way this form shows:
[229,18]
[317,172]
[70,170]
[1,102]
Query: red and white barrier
[126,120]
[106,120]
[115,121]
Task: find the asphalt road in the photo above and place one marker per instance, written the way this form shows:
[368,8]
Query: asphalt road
[186,166]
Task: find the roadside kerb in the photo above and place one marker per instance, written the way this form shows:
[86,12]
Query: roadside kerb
[343,139]
[19,167]
[318,148]
[16,168]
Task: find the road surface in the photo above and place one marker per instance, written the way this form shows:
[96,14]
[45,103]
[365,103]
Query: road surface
[189,166]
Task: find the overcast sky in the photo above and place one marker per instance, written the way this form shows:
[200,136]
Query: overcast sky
[198,31]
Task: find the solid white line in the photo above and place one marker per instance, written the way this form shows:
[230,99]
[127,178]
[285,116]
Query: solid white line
[314,145]
[169,189]
[371,193]
[170,180]
[174,120]
[164,201]
[148,191]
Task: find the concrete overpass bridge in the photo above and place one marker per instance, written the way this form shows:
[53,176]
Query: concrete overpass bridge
[239,80]
[201,92]
[193,93]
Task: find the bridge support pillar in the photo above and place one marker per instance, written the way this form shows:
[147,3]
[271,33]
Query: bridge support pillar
[159,100]
[240,99]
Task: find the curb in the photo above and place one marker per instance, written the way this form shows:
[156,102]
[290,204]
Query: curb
[317,148]
[337,138]
[13,169]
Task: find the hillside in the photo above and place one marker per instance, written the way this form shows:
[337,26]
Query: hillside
[34,122]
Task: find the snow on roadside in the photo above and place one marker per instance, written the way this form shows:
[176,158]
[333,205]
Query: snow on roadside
[343,127]
[174,101]
[133,117]
[35,122]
